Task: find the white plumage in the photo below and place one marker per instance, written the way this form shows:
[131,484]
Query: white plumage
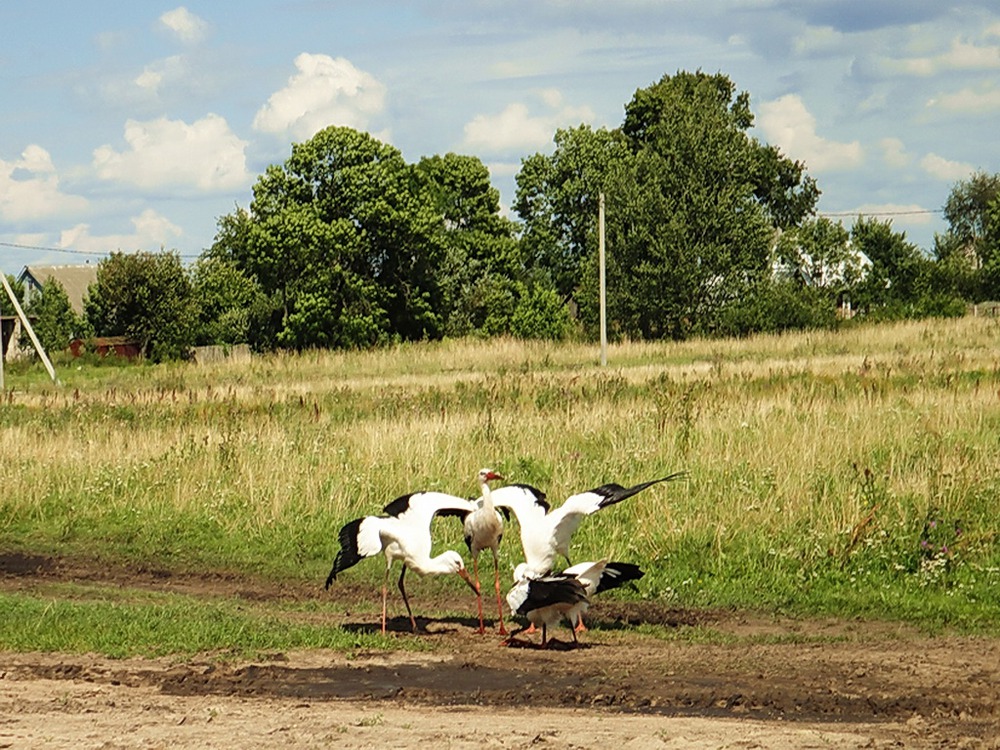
[403,533]
[483,529]
[546,533]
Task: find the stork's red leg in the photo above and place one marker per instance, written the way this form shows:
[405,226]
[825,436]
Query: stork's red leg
[479,594]
[496,581]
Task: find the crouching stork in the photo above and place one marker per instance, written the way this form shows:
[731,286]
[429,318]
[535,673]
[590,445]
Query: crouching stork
[546,600]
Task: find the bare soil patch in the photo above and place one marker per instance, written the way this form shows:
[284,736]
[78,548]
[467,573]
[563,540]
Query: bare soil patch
[781,683]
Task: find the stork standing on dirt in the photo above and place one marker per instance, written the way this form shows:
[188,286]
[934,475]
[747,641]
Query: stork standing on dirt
[483,530]
[545,600]
[546,533]
[403,533]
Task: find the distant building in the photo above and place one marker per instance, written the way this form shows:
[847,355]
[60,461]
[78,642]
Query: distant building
[106,346]
[74,279]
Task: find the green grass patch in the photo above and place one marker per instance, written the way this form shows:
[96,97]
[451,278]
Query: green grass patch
[850,473]
[119,625]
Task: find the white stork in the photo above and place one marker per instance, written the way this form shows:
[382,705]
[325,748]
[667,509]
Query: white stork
[546,533]
[545,600]
[403,533]
[483,529]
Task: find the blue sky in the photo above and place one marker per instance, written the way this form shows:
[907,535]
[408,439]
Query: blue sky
[131,126]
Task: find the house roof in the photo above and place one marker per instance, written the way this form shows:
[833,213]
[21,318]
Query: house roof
[74,279]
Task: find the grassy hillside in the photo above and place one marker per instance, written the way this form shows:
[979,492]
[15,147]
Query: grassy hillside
[851,473]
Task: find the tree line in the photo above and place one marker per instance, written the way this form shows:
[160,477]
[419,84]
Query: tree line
[710,232]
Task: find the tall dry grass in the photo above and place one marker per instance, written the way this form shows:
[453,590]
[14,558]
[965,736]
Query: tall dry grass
[812,456]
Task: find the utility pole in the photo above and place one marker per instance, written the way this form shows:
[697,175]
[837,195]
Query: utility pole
[604,299]
[27,326]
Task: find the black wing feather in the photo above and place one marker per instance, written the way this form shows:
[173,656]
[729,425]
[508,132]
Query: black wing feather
[398,506]
[557,589]
[347,555]
[537,493]
[618,574]
[612,492]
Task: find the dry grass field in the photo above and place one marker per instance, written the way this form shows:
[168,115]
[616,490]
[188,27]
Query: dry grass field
[827,575]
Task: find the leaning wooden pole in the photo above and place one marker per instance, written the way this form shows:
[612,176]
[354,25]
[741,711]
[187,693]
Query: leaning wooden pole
[27,326]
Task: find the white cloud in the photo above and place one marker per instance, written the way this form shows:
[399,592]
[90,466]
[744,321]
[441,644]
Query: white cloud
[173,68]
[326,91]
[151,231]
[515,128]
[894,152]
[788,124]
[29,188]
[945,169]
[968,100]
[205,154]
[817,40]
[961,55]
[185,25]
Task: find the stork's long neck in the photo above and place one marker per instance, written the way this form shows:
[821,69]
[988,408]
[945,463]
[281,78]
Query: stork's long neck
[428,566]
[487,496]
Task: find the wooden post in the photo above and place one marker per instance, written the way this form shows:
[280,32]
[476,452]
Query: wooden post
[604,300]
[28,328]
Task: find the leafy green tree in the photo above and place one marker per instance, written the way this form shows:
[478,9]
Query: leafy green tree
[539,313]
[990,251]
[891,287]
[145,296]
[967,210]
[692,204]
[688,229]
[482,257]
[232,246]
[344,239]
[557,200]
[227,301]
[6,308]
[819,253]
[54,321]
[778,304]
[957,271]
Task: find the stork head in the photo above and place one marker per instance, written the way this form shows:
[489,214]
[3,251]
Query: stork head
[451,562]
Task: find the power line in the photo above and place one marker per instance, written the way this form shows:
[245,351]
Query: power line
[68,250]
[912,212]
[188,256]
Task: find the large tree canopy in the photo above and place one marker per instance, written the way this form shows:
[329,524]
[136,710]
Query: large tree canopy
[692,206]
[351,246]
[344,238]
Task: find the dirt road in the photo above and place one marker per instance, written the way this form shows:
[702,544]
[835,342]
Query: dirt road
[770,683]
